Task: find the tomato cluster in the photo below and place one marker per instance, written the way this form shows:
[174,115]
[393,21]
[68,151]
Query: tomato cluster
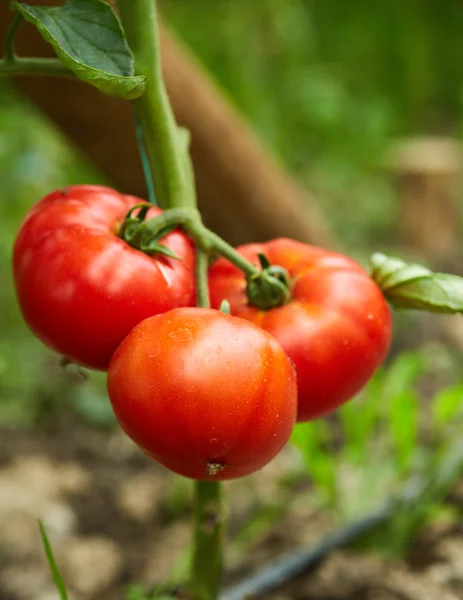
[206,394]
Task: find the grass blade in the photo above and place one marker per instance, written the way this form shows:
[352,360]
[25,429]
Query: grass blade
[59,583]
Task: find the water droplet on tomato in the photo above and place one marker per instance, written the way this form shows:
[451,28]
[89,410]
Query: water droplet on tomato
[181,335]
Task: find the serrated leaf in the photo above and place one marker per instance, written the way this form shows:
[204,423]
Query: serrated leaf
[59,583]
[88,38]
[414,286]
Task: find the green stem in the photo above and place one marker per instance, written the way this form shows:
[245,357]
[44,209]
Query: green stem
[162,136]
[206,564]
[208,533]
[9,40]
[190,220]
[34,66]
[145,161]
[202,285]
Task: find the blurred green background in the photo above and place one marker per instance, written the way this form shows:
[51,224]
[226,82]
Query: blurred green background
[326,85]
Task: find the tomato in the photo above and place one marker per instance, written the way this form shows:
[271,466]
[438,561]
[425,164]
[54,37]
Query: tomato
[80,287]
[336,328]
[205,394]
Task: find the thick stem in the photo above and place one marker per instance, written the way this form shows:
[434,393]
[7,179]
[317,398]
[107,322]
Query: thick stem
[167,148]
[34,66]
[208,532]
[206,564]
[207,559]
[163,138]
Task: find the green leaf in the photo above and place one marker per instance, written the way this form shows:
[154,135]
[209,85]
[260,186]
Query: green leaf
[135,592]
[414,286]
[404,427]
[401,375]
[59,583]
[88,38]
[314,440]
[447,403]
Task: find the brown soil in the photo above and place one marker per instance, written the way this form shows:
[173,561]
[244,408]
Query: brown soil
[114,518]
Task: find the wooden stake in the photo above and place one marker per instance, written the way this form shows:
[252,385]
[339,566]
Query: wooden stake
[243,192]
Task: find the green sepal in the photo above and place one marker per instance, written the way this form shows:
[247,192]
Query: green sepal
[264,261]
[88,38]
[225,307]
[154,247]
[413,286]
[144,234]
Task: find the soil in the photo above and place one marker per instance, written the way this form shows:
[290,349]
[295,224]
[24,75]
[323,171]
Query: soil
[114,517]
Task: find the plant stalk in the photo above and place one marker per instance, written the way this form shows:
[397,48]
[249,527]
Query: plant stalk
[164,140]
[167,147]
[207,559]
[206,564]
[208,534]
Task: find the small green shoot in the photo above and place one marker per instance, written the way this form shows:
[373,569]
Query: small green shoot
[59,583]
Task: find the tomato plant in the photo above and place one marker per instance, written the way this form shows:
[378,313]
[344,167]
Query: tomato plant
[210,396]
[205,394]
[336,328]
[80,287]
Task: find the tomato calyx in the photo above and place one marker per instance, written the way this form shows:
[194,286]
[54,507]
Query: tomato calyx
[143,234]
[270,287]
[267,287]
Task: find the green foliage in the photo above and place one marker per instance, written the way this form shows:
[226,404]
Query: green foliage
[413,286]
[34,160]
[388,443]
[327,84]
[88,39]
[447,407]
[135,592]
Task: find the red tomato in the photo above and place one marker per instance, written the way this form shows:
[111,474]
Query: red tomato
[336,329]
[81,288]
[203,392]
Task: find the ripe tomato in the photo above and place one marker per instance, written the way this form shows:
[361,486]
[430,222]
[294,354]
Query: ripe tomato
[336,329]
[80,287]
[205,394]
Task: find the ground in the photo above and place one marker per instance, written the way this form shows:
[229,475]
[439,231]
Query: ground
[114,518]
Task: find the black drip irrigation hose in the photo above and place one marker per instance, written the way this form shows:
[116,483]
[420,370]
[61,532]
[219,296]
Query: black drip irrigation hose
[297,563]
[421,488]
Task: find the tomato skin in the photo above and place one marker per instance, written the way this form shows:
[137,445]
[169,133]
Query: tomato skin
[80,287]
[336,329]
[195,386]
